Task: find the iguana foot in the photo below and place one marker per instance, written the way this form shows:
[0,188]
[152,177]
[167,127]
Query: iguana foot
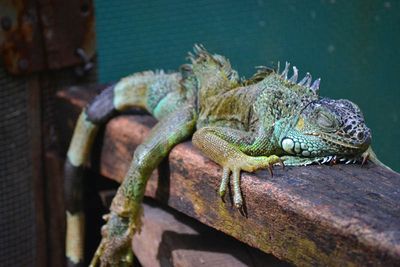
[115,247]
[249,164]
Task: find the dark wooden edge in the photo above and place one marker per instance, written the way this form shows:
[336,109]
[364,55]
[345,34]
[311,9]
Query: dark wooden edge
[314,215]
[34,107]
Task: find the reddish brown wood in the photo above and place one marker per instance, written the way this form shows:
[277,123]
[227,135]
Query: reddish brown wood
[169,238]
[314,215]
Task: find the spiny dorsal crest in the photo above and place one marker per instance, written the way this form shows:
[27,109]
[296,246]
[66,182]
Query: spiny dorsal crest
[201,55]
[305,82]
[262,72]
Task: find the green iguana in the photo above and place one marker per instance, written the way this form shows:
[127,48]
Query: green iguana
[243,125]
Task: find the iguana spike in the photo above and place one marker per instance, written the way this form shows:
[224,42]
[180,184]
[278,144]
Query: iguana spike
[285,71]
[191,57]
[305,79]
[278,67]
[263,69]
[308,83]
[202,47]
[295,75]
[315,86]
[197,49]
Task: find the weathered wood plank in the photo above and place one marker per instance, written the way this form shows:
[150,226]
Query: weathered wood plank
[169,238]
[315,215]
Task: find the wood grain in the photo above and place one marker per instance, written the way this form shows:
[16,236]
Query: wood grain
[169,238]
[338,215]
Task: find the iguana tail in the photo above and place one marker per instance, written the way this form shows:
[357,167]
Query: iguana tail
[78,154]
[145,90]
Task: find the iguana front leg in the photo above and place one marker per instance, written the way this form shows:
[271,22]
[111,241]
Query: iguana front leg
[225,146]
[124,218]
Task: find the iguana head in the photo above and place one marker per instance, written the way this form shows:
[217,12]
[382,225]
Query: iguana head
[325,129]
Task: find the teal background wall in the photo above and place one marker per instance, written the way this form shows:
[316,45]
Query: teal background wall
[353,45]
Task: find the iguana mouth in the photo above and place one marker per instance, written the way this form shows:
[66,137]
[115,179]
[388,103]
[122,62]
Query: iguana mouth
[336,159]
[333,139]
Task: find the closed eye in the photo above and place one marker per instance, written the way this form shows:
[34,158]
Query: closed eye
[324,121]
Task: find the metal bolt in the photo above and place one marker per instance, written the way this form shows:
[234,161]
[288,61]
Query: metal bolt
[6,23]
[87,65]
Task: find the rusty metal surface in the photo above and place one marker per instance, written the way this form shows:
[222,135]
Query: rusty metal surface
[20,37]
[68,26]
[44,34]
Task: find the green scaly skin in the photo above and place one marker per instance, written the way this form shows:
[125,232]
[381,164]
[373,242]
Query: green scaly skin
[240,124]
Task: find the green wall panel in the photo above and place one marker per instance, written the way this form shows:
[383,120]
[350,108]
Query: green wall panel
[354,46]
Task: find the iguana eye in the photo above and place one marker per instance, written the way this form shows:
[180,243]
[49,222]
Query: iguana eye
[324,121]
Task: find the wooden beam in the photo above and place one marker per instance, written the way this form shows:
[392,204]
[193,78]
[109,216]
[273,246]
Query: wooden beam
[169,238]
[315,215]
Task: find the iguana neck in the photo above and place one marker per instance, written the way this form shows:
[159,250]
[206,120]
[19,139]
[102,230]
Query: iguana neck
[278,100]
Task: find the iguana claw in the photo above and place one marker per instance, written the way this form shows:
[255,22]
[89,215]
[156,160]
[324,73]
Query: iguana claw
[249,164]
[280,163]
[365,158]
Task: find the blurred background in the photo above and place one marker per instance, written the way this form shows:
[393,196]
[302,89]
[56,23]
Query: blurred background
[352,45]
